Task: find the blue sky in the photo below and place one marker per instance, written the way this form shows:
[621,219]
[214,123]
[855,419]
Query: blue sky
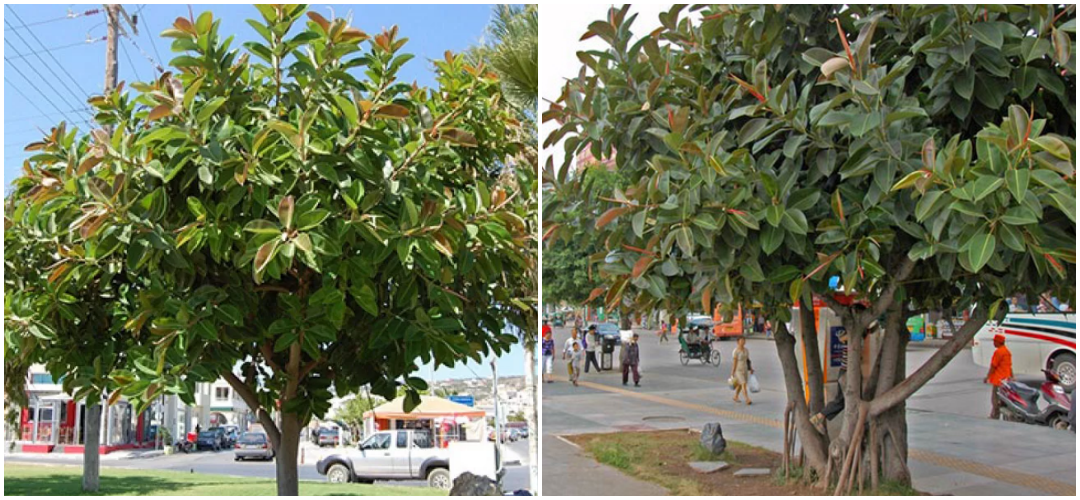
[48,78]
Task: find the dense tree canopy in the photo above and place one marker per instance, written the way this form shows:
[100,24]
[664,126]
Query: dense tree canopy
[290,225]
[927,159]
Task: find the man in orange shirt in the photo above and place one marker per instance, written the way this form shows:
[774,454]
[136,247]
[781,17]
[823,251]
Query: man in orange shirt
[1000,371]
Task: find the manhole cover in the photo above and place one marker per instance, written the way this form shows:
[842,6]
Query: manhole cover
[663,419]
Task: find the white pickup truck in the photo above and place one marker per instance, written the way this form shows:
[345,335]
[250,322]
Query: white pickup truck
[390,455]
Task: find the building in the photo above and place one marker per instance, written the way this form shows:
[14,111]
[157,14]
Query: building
[53,421]
[447,418]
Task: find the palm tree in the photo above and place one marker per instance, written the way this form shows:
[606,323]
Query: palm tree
[511,51]
[510,48]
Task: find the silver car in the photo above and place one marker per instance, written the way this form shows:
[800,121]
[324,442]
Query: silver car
[253,445]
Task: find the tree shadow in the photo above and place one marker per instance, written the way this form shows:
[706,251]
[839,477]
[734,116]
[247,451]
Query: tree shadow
[60,484]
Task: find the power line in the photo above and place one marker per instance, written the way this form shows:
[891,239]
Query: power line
[150,36]
[88,41]
[38,89]
[70,15]
[48,81]
[128,57]
[148,57]
[62,67]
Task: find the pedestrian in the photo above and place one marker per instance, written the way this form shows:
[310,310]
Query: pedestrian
[548,351]
[1000,371]
[574,339]
[663,331]
[577,322]
[740,370]
[574,364]
[546,329]
[630,357]
[593,340]
[768,329]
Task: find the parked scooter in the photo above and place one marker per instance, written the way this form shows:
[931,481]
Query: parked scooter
[1047,405]
[183,445]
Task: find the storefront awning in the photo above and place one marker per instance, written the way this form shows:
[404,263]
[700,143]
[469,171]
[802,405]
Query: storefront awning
[430,407]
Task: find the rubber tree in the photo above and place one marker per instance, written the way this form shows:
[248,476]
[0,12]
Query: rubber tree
[299,220]
[65,300]
[923,155]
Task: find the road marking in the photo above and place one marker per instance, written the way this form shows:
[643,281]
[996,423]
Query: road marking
[1033,481]
[567,441]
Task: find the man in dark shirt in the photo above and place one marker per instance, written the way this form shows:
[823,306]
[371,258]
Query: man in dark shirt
[631,356]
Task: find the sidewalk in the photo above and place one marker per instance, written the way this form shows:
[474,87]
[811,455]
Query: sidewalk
[107,457]
[949,454]
[567,471]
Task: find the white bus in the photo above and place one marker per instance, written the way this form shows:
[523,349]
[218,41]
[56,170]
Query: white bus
[1037,341]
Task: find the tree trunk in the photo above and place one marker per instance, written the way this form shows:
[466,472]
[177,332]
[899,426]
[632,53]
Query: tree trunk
[814,445]
[531,414]
[894,421]
[814,372]
[91,478]
[288,479]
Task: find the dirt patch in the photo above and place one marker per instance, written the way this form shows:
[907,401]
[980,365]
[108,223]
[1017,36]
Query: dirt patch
[661,457]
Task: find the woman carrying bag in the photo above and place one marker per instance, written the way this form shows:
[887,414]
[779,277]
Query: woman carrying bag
[741,371]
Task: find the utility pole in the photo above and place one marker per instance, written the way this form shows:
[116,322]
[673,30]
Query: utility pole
[113,12]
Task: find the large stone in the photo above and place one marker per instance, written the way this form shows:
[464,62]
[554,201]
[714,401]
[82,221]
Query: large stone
[471,485]
[752,472]
[708,467]
[712,438]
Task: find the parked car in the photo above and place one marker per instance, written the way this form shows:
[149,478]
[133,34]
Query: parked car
[515,434]
[608,330]
[253,445]
[329,436]
[226,441]
[210,439]
[390,455]
[232,434]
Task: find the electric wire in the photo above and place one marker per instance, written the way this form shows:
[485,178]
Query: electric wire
[61,66]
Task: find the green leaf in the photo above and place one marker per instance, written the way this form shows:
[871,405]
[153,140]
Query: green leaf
[365,296]
[985,185]
[980,249]
[638,223]
[685,239]
[1019,216]
[1017,180]
[209,108]
[262,226]
[231,314]
[924,207]
[773,214]
[795,290]
[1011,237]
[348,108]
[835,118]
[795,221]
[988,33]
[771,238]
[311,219]
[864,122]
[1052,180]
[196,207]
[1066,204]
[1054,146]
[285,211]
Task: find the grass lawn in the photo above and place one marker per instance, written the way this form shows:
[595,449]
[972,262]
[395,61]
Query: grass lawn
[40,480]
[661,457]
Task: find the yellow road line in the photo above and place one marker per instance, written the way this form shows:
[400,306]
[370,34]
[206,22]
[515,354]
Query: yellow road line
[1032,481]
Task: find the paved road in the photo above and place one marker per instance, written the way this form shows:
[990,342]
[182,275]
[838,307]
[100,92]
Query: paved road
[955,449]
[221,462]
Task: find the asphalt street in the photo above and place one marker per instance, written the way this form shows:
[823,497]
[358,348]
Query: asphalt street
[222,462]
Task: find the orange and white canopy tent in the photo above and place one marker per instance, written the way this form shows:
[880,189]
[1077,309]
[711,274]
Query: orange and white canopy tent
[430,407]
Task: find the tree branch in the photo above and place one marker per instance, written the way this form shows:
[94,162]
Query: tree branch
[248,395]
[932,366]
[272,288]
[900,273]
[268,356]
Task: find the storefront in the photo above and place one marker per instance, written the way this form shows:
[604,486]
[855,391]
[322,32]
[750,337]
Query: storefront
[446,419]
[55,422]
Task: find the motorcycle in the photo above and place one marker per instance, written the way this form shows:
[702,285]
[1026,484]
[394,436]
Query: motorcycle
[183,445]
[1021,403]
